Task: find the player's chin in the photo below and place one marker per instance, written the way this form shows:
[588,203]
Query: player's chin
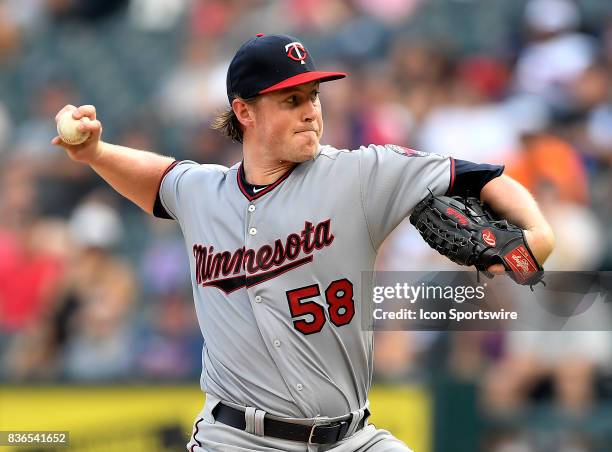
[307,151]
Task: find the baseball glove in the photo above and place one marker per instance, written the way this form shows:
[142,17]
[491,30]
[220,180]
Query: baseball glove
[463,230]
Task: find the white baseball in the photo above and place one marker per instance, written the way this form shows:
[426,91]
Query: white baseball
[67,128]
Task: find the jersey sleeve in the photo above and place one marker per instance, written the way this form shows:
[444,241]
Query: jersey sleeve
[168,202]
[394,179]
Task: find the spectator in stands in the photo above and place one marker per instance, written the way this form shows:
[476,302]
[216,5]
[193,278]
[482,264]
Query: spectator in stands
[193,90]
[556,54]
[571,359]
[548,160]
[32,252]
[171,344]
[470,120]
[94,322]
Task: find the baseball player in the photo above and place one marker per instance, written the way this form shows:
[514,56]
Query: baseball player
[277,244]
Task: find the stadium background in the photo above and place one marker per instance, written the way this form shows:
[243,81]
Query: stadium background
[97,329]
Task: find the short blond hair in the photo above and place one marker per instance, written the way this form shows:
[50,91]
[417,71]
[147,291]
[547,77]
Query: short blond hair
[227,123]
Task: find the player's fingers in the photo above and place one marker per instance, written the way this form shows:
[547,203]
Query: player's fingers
[86,125]
[85,110]
[93,127]
[57,141]
[496,269]
[63,110]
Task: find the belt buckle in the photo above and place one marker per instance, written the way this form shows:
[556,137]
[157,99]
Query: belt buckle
[311,433]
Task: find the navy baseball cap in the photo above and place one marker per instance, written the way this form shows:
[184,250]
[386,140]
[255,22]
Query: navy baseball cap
[269,63]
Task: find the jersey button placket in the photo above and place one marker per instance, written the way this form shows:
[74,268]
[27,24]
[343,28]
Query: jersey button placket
[251,230]
[277,343]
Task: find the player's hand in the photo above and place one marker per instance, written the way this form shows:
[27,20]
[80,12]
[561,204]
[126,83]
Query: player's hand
[87,151]
[541,241]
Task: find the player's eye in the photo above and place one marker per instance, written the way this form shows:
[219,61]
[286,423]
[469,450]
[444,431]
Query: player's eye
[292,100]
[315,95]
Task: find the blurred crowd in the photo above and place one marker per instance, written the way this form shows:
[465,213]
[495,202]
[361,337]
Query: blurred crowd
[91,288]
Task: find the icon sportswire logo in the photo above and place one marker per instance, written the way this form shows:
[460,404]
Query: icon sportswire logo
[246,267]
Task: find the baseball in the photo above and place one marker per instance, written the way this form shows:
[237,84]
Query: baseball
[67,129]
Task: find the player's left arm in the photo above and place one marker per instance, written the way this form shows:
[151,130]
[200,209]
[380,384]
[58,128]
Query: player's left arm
[513,202]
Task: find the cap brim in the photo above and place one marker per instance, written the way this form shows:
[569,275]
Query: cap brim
[305,77]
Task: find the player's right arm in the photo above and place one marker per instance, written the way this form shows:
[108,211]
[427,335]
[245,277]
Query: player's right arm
[132,173]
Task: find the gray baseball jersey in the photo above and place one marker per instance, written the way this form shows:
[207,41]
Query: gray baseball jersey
[276,274]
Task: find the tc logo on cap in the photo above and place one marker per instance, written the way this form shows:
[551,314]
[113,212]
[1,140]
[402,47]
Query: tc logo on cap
[296,51]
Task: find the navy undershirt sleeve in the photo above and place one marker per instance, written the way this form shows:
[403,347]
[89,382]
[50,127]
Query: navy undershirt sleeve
[470,177]
[159,210]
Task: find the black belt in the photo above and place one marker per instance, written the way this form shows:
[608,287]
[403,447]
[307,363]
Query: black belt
[316,434]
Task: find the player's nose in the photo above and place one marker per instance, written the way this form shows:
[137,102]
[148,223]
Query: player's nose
[310,112]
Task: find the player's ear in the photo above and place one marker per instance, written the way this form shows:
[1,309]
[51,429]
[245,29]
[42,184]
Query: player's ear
[243,112]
